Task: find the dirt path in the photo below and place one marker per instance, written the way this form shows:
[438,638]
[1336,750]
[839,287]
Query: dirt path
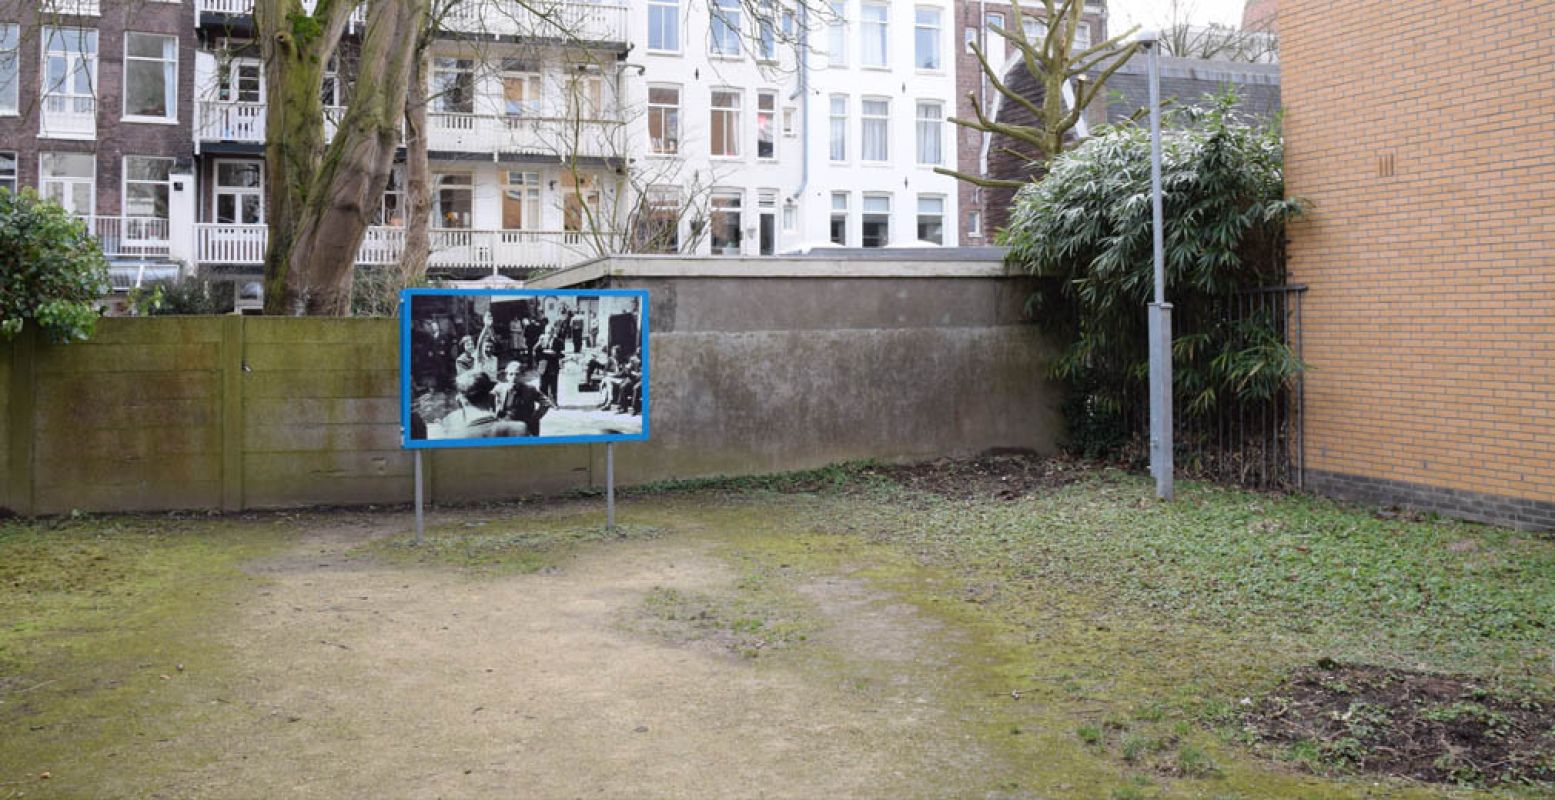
[359,679]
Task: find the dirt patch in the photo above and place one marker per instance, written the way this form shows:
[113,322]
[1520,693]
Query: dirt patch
[1005,477]
[1435,728]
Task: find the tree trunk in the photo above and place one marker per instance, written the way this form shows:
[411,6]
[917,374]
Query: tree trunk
[418,180]
[322,200]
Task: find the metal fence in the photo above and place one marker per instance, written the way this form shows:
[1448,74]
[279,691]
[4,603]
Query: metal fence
[1257,445]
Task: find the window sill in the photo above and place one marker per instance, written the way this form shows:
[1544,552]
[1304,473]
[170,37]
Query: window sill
[931,73]
[149,120]
[665,52]
[876,67]
[726,56]
[726,158]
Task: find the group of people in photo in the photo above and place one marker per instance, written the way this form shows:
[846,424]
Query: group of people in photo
[486,367]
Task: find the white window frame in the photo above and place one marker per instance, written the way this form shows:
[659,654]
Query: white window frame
[922,215]
[464,182]
[724,26]
[670,118]
[229,80]
[865,212]
[926,124]
[533,86]
[866,121]
[9,175]
[867,26]
[839,208]
[837,35]
[170,87]
[837,129]
[10,69]
[666,27]
[663,204]
[936,30]
[790,122]
[527,186]
[767,97]
[66,181]
[217,190]
[766,33]
[733,129]
[83,103]
[450,66]
[738,209]
[974,223]
[125,182]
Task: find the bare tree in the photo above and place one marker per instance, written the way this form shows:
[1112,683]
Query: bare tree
[1053,62]
[1183,39]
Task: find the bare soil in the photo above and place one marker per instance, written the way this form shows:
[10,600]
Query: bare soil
[1008,476]
[1434,728]
[363,679]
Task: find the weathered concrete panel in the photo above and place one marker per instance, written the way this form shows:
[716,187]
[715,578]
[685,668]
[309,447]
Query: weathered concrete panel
[498,472]
[90,357]
[325,410]
[262,357]
[366,381]
[305,331]
[314,436]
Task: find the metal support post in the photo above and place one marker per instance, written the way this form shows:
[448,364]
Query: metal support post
[610,486]
[1160,311]
[420,517]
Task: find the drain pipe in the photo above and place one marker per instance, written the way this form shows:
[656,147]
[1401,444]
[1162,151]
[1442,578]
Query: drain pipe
[804,103]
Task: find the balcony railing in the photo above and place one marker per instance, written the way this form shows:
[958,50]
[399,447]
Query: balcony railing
[219,121]
[78,8]
[69,116]
[131,237]
[453,249]
[244,8]
[560,21]
[527,135]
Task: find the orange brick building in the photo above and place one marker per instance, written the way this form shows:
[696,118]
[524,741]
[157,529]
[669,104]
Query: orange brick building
[1424,137]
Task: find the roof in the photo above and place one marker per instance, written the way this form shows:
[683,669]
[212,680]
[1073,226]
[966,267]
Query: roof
[1189,81]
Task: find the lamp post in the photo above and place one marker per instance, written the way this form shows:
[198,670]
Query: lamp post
[1160,310]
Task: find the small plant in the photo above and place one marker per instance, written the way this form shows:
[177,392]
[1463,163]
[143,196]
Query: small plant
[1193,762]
[1090,734]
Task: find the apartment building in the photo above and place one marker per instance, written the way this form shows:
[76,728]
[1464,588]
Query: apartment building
[94,113]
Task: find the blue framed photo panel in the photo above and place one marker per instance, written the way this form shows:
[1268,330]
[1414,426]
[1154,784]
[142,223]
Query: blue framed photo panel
[502,367]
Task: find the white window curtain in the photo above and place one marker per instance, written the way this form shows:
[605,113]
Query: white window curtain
[837,36]
[839,127]
[930,125]
[873,23]
[926,38]
[877,130]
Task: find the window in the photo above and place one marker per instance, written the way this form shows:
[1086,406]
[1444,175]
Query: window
[9,75]
[790,216]
[766,222]
[725,28]
[926,38]
[580,203]
[241,81]
[148,186]
[1082,37]
[993,48]
[664,25]
[931,218]
[969,38]
[240,192]
[766,123]
[391,210]
[453,85]
[329,92]
[839,127]
[521,201]
[664,119]
[790,122]
[70,180]
[8,170]
[451,200]
[931,117]
[1035,29]
[726,223]
[150,76]
[766,33]
[839,218]
[585,97]
[877,220]
[659,230]
[521,92]
[876,115]
[70,71]
[726,123]
[873,25]
[837,35]
[974,223]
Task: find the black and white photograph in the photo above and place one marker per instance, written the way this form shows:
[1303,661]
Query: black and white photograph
[525,367]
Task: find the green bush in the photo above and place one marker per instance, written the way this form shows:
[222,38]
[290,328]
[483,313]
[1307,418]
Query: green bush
[52,270]
[1087,226]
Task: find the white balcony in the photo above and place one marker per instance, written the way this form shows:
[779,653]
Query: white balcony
[564,22]
[69,117]
[453,249]
[216,121]
[131,237]
[78,8]
[219,9]
[524,135]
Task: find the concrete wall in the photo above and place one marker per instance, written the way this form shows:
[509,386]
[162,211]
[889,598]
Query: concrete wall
[750,374]
[1425,143]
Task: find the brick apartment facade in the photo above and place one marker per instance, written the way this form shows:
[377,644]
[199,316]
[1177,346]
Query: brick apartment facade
[983,210]
[1426,145]
[22,133]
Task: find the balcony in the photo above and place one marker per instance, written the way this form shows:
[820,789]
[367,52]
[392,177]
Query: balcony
[454,250]
[496,134]
[564,22]
[223,12]
[77,8]
[69,117]
[131,237]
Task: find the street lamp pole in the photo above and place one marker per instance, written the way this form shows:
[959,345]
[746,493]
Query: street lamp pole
[1160,310]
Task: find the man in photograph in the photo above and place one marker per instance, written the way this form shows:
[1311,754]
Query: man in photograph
[476,418]
[516,400]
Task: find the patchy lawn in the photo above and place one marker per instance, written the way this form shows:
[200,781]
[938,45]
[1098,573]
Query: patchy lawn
[1000,627]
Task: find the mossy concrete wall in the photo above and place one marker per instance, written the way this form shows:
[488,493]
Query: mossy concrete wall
[749,375]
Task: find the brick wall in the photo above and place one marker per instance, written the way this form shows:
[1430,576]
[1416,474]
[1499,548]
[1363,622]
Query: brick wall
[1426,143]
[116,138]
